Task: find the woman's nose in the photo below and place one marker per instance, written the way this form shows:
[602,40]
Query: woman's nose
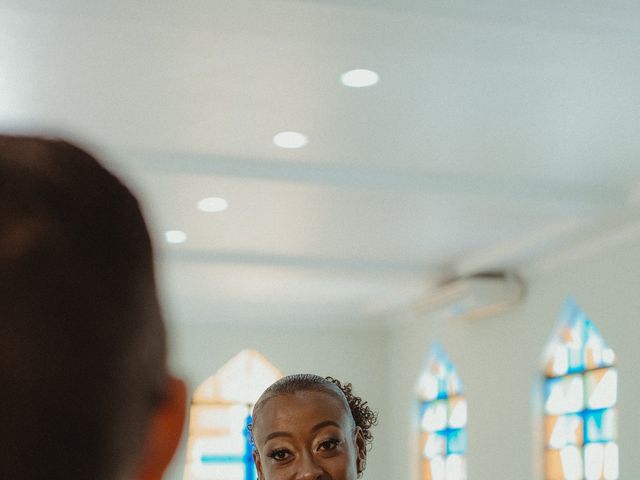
[309,468]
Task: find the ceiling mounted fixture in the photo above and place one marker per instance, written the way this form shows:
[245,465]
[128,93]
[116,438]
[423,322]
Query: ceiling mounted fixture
[175,236]
[212,204]
[290,140]
[359,78]
[475,296]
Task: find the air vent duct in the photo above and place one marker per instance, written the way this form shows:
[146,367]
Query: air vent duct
[475,296]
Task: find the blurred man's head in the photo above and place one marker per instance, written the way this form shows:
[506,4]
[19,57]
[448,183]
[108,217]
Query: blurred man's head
[85,392]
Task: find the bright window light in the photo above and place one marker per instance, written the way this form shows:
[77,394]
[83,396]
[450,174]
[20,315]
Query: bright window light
[212,204]
[438,468]
[571,463]
[290,140]
[603,386]
[458,417]
[359,78]
[175,236]
[580,396]
[219,445]
[435,417]
[455,467]
[443,419]
[560,360]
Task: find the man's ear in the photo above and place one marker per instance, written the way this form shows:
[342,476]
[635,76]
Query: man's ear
[165,431]
[256,460]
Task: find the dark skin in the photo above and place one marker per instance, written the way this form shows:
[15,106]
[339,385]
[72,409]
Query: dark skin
[307,435]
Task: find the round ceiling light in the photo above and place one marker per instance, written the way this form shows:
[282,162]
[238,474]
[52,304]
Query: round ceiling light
[290,140]
[359,78]
[212,204]
[175,236]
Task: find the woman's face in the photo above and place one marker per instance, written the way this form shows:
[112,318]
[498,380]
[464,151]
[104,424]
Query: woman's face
[307,435]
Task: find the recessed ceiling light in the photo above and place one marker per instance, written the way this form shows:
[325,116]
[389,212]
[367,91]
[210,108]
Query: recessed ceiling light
[290,139]
[212,204]
[359,78]
[175,236]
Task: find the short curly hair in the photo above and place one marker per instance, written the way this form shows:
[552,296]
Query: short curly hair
[363,416]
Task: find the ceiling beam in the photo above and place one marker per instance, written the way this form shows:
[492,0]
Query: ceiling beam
[558,243]
[365,176]
[364,265]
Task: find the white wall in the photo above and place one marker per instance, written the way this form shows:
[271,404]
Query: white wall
[499,361]
[358,356]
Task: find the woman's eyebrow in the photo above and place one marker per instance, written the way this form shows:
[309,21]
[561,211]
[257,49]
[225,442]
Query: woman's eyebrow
[277,434]
[326,423]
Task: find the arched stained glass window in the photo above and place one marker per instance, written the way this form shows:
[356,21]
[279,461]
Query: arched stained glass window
[580,394]
[443,420]
[219,447]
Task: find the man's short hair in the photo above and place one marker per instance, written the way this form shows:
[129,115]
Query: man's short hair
[82,342]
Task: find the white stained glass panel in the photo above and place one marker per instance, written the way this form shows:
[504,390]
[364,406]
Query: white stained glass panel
[428,387]
[601,388]
[594,461]
[241,380]
[456,468]
[601,461]
[438,469]
[559,361]
[564,395]
[233,445]
[608,356]
[458,415]
[566,430]
[216,471]
[435,416]
[611,461]
[597,354]
[434,445]
[454,386]
[217,420]
[571,458]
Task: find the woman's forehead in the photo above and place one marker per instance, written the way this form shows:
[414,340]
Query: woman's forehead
[301,410]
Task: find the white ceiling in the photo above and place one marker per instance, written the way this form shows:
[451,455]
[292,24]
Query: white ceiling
[501,133]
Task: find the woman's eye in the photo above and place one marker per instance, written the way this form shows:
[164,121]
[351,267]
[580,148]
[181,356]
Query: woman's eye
[329,444]
[280,455]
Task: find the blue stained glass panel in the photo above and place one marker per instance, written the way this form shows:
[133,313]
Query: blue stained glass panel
[211,458]
[599,425]
[249,466]
[456,441]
